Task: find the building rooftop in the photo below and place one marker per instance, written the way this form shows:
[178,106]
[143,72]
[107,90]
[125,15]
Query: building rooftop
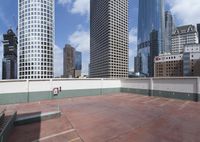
[119,117]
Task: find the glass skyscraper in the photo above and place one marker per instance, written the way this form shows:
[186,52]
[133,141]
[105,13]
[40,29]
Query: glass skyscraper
[169,29]
[78,60]
[9,62]
[150,21]
[198,29]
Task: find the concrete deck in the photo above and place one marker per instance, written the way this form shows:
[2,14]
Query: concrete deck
[112,118]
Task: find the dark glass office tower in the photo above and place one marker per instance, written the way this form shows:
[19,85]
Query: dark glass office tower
[78,60]
[150,19]
[9,63]
[198,29]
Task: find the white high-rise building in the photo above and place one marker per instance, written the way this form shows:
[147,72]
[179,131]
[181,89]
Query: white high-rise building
[36,34]
[182,36]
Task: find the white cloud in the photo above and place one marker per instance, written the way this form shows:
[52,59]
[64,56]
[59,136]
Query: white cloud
[81,7]
[58,61]
[80,39]
[133,36]
[185,11]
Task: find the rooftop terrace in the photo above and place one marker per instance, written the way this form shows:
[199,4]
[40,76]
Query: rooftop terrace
[119,117]
[101,110]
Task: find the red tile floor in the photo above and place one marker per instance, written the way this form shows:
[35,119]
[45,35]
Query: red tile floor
[112,118]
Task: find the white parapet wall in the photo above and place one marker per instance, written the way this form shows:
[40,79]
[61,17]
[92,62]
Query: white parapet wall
[13,86]
[20,86]
[177,87]
[34,90]
[184,85]
[177,84]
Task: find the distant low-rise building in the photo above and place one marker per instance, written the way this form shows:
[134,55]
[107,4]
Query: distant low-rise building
[186,64]
[168,65]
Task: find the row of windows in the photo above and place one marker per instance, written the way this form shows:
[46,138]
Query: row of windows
[35,26]
[41,22]
[32,1]
[35,77]
[35,68]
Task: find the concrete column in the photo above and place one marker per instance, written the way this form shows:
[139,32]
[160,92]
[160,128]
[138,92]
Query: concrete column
[101,87]
[51,88]
[28,96]
[151,87]
[196,96]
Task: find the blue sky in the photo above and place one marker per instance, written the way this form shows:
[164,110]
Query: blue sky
[72,25]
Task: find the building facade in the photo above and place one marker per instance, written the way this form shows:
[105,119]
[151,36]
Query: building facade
[169,29]
[78,60]
[9,62]
[69,56]
[198,30]
[183,35]
[72,63]
[191,60]
[154,45]
[36,33]
[186,64]
[108,38]
[168,65]
[150,19]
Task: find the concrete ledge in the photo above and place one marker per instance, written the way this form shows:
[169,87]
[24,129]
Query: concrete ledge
[27,97]
[176,95]
[137,91]
[37,118]
[7,128]
[165,94]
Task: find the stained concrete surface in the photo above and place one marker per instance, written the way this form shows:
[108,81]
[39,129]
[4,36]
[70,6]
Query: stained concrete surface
[112,118]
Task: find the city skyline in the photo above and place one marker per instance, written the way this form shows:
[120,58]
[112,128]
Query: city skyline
[76,32]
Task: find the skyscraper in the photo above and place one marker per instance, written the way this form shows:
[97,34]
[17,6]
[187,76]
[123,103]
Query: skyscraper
[78,64]
[150,19]
[108,38]
[68,62]
[198,29]
[78,60]
[72,63]
[9,63]
[169,29]
[153,51]
[36,32]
